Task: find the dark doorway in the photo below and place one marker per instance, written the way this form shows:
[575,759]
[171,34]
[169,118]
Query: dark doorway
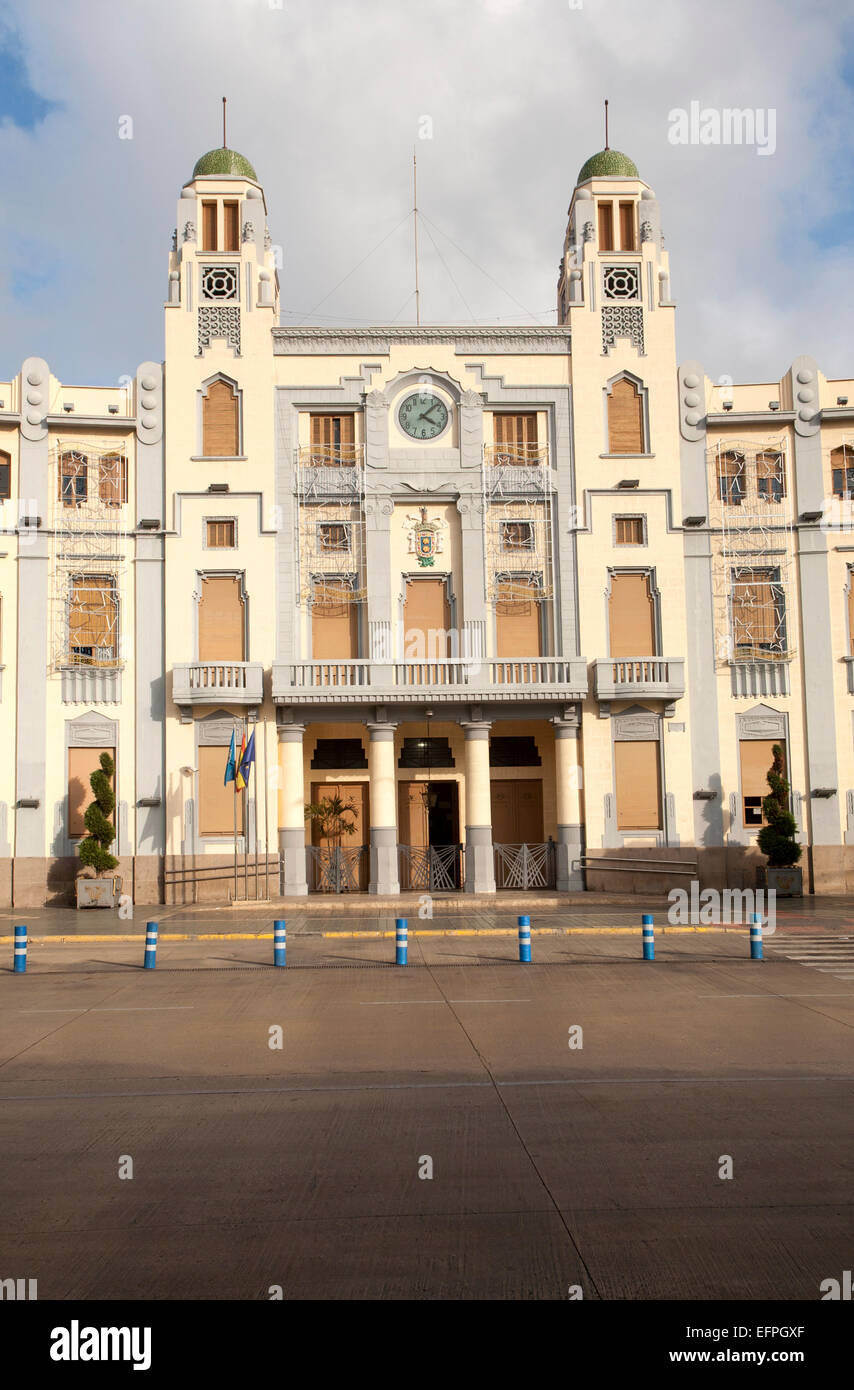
[443,814]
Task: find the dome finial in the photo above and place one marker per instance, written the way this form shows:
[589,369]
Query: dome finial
[224,141]
[607,146]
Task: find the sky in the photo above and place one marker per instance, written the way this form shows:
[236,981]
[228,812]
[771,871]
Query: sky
[502,102]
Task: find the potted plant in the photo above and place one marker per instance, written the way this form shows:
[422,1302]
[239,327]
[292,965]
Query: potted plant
[330,818]
[95,889]
[776,839]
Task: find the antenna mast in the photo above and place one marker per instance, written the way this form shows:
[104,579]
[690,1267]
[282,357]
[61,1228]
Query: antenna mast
[415,230]
[224,142]
[607,146]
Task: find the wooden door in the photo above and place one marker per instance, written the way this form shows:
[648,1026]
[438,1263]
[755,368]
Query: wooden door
[222,631]
[426,620]
[631,616]
[756,757]
[517,812]
[412,814]
[82,762]
[517,435]
[356,794]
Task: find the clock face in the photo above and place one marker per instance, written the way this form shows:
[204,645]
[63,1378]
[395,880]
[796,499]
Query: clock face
[422,415]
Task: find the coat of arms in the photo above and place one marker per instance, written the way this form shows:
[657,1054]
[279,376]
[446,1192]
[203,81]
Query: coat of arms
[425,538]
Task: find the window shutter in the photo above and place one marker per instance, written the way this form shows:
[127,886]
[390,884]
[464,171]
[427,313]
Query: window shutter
[220,421]
[631,616]
[208,227]
[93,611]
[334,622]
[606,226]
[851,612]
[625,419]
[518,628]
[627,226]
[628,530]
[756,757]
[220,535]
[231,226]
[637,779]
[5,476]
[82,762]
[113,479]
[221,620]
[216,800]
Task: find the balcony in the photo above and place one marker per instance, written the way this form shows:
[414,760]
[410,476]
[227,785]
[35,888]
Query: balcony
[408,682]
[638,677]
[218,683]
[330,470]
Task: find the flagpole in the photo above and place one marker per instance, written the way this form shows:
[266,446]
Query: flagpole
[255,825]
[234,806]
[266,819]
[246,822]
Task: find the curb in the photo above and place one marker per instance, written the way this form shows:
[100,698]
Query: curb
[127,940]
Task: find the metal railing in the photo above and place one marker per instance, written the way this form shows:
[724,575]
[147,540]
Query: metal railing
[433,868]
[337,869]
[525,866]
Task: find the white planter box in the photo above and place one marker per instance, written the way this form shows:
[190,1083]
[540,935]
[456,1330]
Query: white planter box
[98,892]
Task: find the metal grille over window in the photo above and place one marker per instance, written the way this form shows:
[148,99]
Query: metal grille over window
[753,552]
[89,538]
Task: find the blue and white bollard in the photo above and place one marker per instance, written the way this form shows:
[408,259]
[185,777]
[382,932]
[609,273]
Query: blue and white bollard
[401,940]
[524,940]
[755,936]
[20,950]
[648,936]
[279,943]
[150,960]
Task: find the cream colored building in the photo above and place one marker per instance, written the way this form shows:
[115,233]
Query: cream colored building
[526,599]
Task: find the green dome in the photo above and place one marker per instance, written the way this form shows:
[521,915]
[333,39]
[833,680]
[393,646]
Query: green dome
[608,164]
[223,161]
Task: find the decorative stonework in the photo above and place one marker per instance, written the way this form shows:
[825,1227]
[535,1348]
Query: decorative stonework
[249,231]
[619,321]
[287,341]
[219,321]
[189,231]
[621,282]
[425,538]
[220,282]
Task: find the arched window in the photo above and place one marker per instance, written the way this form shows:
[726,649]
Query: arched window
[625,418]
[220,419]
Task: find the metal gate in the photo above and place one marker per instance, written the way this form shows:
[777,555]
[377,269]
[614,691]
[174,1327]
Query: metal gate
[335,870]
[430,868]
[525,866]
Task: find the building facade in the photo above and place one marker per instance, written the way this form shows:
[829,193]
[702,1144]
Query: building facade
[533,603]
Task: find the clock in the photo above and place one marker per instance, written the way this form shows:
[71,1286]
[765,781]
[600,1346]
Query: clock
[422,415]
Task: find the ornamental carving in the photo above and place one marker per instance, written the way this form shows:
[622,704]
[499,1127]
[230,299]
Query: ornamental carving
[189,231]
[621,282]
[425,538]
[249,231]
[622,322]
[219,282]
[219,321]
[471,400]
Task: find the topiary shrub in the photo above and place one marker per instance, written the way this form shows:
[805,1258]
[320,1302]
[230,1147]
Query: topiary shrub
[777,836]
[95,849]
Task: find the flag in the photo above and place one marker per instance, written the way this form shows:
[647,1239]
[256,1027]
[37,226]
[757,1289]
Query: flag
[239,784]
[247,758]
[231,765]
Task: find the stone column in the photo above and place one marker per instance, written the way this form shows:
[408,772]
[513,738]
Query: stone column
[292,810]
[570,828]
[480,865]
[384,877]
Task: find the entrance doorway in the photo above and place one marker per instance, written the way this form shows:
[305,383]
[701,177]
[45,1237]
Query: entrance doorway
[338,863]
[522,858]
[428,831]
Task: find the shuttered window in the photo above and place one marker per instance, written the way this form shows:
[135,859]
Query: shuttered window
[93,610]
[731,478]
[222,633]
[334,621]
[606,226]
[73,478]
[851,612]
[231,226]
[333,440]
[82,762]
[5,476]
[208,226]
[217,801]
[627,226]
[113,479]
[638,783]
[770,476]
[757,614]
[756,758]
[220,535]
[625,418]
[842,468]
[220,421]
[628,530]
[631,616]
[518,621]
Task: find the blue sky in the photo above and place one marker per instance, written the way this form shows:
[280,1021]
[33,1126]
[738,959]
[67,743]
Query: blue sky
[328,98]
